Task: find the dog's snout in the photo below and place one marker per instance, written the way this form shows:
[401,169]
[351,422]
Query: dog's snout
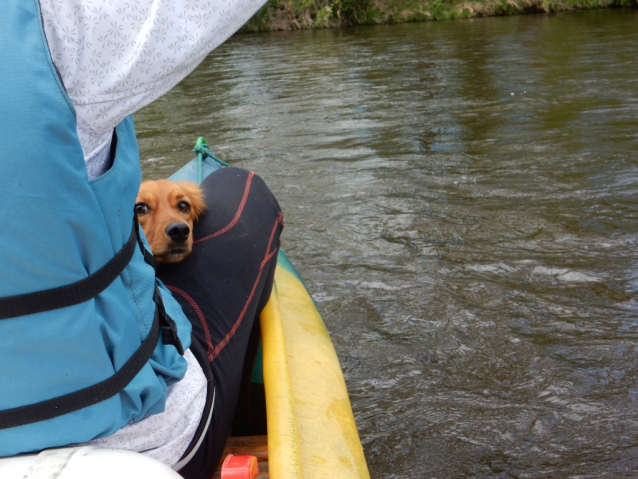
[178,232]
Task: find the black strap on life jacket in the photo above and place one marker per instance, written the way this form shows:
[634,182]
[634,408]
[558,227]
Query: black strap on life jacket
[169,328]
[74,294]
[148,256]
[86,397]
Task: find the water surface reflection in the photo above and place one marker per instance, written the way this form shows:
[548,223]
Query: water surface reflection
[460,197]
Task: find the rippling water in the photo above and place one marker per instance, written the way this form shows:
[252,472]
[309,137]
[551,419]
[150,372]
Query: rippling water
[461,200]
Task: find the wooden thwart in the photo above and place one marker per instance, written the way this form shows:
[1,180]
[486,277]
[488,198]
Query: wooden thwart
[263,471]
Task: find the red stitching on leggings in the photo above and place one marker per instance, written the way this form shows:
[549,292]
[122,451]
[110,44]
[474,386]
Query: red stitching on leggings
[202,320]
[267,257]
[240,210]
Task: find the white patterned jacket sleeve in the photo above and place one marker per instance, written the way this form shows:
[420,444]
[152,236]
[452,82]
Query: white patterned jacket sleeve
[117,56]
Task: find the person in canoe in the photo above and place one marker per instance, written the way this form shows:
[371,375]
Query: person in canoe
[93,346]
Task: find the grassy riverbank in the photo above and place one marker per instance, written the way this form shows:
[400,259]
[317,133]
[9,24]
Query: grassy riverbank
[302,14]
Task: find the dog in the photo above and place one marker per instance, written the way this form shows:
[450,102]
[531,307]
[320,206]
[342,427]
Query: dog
[166,211]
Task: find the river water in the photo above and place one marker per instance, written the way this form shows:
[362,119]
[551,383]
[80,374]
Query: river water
[460,198]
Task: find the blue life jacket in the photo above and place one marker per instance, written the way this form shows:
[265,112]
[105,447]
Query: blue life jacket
[79,313]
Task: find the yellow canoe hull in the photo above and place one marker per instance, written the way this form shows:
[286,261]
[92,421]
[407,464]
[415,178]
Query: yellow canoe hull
[311,428]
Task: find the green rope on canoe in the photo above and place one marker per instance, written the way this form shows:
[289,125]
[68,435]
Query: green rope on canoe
[202,151]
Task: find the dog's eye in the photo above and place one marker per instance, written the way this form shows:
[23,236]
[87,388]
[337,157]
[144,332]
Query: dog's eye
[141,209]
[183,207]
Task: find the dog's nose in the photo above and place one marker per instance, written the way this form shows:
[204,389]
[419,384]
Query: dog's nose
[178,232]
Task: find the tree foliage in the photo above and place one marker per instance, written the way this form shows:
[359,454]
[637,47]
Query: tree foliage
[302,14]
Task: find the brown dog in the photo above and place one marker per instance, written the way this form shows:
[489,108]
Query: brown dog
[166,211]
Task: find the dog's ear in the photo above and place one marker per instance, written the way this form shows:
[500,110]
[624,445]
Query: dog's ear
[196,197]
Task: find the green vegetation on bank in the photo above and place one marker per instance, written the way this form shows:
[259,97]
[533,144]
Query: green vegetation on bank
[302,14]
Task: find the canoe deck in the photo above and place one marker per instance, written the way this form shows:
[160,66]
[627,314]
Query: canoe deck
[251,446]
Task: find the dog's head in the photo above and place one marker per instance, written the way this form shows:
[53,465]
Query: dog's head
[166,211]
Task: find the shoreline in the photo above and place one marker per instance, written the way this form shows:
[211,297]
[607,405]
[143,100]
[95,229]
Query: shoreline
[287,15]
